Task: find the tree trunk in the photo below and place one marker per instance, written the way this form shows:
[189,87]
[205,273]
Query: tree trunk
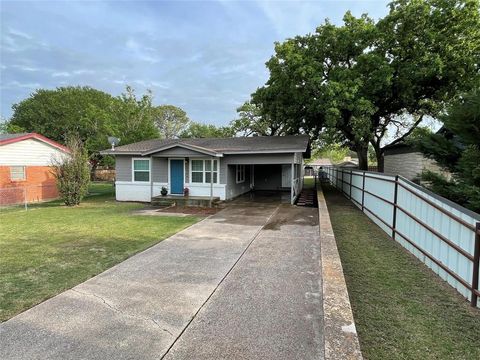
[379,154]
[362,153]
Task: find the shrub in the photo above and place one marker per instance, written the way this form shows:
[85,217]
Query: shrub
[73,173]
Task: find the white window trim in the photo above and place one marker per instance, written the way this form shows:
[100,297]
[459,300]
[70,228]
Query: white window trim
[204,171]
[24,172]
[149,170]
[240,170]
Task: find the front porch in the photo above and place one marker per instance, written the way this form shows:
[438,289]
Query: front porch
[182,201]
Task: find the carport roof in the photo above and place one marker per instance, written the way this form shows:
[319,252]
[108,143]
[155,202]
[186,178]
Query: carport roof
[220,146]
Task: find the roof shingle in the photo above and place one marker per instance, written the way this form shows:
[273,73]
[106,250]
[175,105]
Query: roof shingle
[224,145]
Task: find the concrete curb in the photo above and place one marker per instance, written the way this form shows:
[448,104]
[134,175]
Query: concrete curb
[340,334]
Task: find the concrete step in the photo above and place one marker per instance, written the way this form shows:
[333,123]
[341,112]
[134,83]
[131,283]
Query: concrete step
[200,201]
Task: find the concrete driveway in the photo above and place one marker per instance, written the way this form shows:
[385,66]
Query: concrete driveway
[242,284]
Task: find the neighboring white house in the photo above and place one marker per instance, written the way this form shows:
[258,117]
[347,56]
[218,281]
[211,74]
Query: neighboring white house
[25,167]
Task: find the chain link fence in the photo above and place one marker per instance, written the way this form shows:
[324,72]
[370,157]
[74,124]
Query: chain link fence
[25,195]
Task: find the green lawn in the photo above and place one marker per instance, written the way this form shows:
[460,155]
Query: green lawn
[402,309]
[51,248]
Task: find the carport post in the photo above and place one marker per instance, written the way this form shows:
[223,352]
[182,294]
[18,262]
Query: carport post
[151,178]
[292,192]
[211,181]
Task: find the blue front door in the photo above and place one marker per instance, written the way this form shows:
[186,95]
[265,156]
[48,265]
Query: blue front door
[176,176]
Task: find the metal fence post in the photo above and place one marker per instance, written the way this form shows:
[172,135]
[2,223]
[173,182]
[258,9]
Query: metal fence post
[351,184]
[343,191]
[476,265]
[363,191]
[394,221]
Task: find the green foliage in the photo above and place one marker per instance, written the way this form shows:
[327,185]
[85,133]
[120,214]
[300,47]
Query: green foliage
[361,79]
[335,152]
[7,127]
[89,114]
[170,121]
[73,173]
[133,117]
[66,111]
[252,122]
[199,130]
[458,151]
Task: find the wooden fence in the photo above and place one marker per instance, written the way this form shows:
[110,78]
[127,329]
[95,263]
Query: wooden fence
[442,234]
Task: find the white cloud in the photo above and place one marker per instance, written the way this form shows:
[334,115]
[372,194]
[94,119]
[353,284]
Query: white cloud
[26,68]
[61,74]
[16,84]
[141,52]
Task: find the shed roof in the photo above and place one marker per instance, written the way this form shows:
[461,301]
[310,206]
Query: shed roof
[13,138]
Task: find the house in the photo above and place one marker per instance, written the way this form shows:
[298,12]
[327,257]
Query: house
[221,168]
[312,167]
[25,168]
[349,162]
[405,160]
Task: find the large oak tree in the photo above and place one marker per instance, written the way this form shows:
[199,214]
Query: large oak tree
[363,79]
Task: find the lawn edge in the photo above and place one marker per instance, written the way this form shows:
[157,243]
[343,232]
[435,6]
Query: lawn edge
[340,334]
[106,270]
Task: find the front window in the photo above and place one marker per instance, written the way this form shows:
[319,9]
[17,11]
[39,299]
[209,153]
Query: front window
[201,170]
[141,170]
[17,173]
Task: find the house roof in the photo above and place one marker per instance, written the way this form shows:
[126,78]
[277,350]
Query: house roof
[13,138]
[321,162]
[349,163]
[220,146]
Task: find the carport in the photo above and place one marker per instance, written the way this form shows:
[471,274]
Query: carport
[266,173]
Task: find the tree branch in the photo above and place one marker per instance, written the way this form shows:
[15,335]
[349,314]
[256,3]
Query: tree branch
[415,124]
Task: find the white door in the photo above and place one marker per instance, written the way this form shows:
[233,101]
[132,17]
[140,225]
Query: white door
[286,176]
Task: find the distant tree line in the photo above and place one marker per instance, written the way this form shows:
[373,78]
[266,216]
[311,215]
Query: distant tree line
[91,115]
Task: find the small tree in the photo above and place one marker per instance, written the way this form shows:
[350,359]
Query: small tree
[73,173]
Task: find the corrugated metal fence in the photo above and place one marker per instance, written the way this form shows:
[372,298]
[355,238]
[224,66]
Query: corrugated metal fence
[442,234]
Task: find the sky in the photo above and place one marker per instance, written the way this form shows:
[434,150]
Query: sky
[206,57]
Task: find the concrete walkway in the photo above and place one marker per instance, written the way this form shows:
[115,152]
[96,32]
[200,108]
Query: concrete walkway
[242,284]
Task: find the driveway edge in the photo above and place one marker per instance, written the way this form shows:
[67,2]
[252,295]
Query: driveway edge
[340,334]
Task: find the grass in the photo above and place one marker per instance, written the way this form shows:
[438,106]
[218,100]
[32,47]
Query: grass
[401,308]
[50,247]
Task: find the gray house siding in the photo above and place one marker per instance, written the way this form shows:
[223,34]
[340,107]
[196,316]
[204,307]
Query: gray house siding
[160,170]
[234,189]
[179,152]
[259,159]
[409,165]
[123,168]
[254,159]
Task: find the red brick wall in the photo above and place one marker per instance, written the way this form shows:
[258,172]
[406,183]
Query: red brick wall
[39,185]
